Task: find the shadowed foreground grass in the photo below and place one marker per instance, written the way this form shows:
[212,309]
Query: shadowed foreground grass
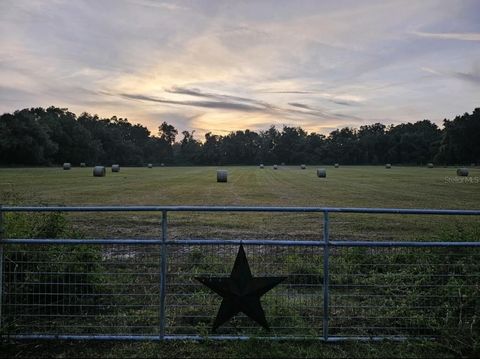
[241,349]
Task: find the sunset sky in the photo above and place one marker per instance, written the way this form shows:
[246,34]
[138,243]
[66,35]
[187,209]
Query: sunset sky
[227,65]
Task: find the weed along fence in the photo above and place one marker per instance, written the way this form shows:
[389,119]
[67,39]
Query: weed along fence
[165,289]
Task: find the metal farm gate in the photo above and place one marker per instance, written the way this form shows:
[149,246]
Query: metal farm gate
[148,289]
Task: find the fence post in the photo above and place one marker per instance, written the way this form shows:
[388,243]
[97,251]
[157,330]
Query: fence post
[326,270]
[163,274]
[1,266]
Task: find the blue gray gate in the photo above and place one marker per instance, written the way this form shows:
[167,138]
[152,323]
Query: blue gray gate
[145,289]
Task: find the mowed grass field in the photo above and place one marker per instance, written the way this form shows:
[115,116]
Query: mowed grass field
[355,186]
[347,186]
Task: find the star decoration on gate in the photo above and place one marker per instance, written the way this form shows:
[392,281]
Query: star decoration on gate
[241,292]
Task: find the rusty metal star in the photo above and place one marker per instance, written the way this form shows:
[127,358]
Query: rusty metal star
[241,292]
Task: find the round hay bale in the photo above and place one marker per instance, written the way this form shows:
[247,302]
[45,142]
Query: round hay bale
[430,165]
[303,167]
[222,176]
[99,171]
[162,164]
[67,166]
[336,165]
[283,163]
[83,164]
[388,166]
[150,165]
[115,168]
[462,172]
[275,167]
[261,166]
[321,172]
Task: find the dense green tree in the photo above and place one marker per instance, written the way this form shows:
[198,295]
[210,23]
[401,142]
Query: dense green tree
[460,141]
[24,140]
[188,150]
[240,147]
[269,140]
[342,146]
[54,135]
[372,143]
[211,150]
[167,134]
[413,143]
[74,142]
[316,148]
[291,145]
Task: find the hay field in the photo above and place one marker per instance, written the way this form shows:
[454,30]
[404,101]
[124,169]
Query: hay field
[347,186]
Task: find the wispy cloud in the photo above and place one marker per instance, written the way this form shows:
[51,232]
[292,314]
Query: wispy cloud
[345,103]
[301,105]
[472,77]
[219,97]
[289,92]
[205,104]
[466,36]
[468,76]
[159,4]
[228,103]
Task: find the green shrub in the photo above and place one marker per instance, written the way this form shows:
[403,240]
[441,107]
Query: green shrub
[47,278]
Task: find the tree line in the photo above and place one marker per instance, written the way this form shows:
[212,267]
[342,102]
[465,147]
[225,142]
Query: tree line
[39,136]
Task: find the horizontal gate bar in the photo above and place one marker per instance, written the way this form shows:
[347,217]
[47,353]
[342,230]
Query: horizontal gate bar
[238,209]
[254,242]
[154,241]
[402,244]
[199,337]
[61,241]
